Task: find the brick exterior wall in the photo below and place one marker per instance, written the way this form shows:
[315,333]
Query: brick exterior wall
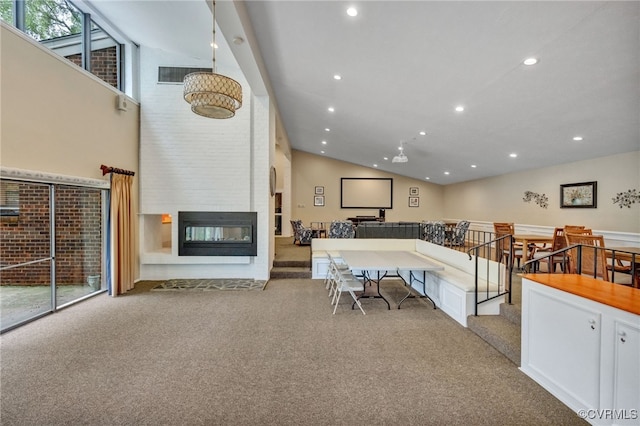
[78,236]
[104,64]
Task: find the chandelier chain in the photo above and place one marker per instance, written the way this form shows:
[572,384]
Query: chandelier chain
[213,46]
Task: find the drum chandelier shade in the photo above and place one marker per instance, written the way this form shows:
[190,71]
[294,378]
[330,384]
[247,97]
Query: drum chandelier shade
[210,94]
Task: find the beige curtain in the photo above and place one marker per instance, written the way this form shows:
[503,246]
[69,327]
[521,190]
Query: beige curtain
[122,233]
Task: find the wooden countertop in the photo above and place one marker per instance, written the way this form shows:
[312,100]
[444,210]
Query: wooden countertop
[618,296]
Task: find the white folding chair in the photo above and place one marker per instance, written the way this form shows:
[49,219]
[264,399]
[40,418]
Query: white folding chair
[331,278]
[347,283]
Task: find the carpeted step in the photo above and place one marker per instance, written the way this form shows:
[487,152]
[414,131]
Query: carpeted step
[499,332]
[290,272]
[512,312]
[292,263]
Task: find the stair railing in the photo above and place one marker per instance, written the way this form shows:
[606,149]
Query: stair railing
[503,247]
[615,255]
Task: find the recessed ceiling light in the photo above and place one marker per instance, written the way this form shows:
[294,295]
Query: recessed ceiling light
[427,178]
[459,108]
[577,138]
[422,133]
[446,173]
[375,165]
[327,129]
[331,109]
[513,155]
[214,45]
[530,61]
[352,11]
[473,166]
[321,152]
[324,142]
[385,158]
[337,77]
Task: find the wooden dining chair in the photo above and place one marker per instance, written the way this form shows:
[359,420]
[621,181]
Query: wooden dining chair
[591,257]
[594,259]
[559,242]
[502,247]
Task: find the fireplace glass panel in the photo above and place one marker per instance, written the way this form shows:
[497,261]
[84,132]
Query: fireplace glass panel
[222,234]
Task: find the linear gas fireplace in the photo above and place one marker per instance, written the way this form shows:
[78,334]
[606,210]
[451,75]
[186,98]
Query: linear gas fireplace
[217,234]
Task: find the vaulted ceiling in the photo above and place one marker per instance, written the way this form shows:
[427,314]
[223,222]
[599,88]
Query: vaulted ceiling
[406,65]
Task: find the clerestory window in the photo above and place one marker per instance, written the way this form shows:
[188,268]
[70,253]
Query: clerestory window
[65,29]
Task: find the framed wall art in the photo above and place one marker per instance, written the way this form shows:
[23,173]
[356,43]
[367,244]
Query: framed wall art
[318,201]
[579,195]
[414,191]
[414,201]
[319,190]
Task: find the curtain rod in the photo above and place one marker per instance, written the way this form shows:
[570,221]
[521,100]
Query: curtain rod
[107,169]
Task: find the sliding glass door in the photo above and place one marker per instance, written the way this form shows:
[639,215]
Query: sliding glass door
[51,248]
[26,261]
[78,242]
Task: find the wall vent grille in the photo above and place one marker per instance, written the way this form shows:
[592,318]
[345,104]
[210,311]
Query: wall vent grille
[176,74]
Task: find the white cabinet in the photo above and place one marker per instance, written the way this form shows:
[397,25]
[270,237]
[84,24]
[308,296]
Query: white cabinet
[585,353]
[626,367]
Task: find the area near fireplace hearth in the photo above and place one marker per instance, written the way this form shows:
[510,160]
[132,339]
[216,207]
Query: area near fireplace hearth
[190,164]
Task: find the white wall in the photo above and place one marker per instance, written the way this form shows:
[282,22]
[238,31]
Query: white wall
[192,163]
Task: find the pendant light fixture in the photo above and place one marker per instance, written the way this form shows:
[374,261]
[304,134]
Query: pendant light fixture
[400,158]
[212,95]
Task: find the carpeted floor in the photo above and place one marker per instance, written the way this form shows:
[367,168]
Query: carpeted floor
[272,357]
[286,250]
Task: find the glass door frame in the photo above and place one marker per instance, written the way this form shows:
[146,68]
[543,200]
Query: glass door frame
[52,180]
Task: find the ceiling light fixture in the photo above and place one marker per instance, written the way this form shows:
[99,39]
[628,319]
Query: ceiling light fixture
[400,158]
[423,133]
[337,77]
[577,138]
[331,109]
[212,95]
[352,11]
[459,108]
[530,61]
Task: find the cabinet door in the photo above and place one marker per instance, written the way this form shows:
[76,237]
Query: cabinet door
[626,395]
[564,348]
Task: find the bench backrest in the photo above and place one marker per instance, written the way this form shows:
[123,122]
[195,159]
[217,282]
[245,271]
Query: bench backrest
[408,230]
[361,244]
[495,270]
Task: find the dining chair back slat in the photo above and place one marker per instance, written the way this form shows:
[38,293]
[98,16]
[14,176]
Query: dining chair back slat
[590,257]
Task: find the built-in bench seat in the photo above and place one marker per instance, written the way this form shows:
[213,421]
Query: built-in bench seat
[452,289]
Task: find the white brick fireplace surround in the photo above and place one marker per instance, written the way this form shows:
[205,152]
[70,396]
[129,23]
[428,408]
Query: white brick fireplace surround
[192,163]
